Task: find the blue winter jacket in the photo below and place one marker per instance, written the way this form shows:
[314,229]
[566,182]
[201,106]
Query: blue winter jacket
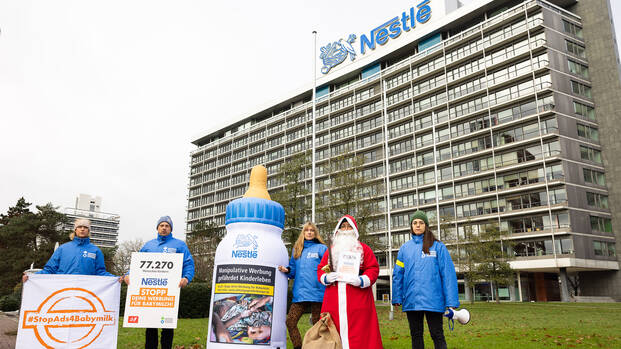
[424,281]
[78,256]
[168,244]
[306,287]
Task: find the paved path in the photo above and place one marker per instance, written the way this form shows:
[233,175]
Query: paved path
[8,324]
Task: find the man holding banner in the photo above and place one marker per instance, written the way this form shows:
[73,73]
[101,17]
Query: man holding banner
[166,243]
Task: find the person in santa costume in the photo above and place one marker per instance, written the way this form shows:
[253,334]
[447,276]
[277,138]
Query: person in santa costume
[349,298]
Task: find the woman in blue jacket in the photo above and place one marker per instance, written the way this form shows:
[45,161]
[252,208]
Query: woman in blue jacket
[307,252]
[424,282]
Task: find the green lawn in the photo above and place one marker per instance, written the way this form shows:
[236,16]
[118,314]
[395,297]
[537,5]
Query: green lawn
[505,325]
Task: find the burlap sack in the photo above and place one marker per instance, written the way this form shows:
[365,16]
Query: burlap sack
[323,335]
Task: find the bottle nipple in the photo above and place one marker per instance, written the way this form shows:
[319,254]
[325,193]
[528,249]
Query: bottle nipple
[258,183]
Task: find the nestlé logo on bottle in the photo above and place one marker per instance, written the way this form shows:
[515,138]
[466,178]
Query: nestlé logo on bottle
[245,246]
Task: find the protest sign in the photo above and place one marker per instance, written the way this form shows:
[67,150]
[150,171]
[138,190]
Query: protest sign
[69,311]
[242,304]
[348,266]
[153,292]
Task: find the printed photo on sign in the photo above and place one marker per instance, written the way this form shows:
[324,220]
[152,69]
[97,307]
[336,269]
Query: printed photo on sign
[153,293]
[242,318]
[69,311]
[243,304]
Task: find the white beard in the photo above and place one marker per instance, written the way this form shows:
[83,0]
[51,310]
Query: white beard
[345,241]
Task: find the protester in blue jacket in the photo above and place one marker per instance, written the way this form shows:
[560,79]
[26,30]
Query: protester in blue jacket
[166,243]
[307,252]
[424,282]
[77,256]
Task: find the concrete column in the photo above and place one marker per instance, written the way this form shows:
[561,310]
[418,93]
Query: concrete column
[467,290]
[519,279]
[563,284]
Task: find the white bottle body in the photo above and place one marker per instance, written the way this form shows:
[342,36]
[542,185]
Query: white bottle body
[255,247]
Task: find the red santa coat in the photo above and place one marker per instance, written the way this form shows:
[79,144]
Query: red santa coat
[353,308]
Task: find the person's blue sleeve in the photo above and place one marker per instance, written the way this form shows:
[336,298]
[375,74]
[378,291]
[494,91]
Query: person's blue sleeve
[449,277]
[100,265]
[291,273]
[188,264]
[397,279]
[51,267]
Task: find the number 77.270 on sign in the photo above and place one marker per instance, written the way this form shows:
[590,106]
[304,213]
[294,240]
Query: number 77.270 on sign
[153,292]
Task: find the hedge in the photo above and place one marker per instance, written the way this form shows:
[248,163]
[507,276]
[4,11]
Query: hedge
[194,303]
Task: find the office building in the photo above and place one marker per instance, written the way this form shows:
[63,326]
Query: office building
[491,112]
[104,226]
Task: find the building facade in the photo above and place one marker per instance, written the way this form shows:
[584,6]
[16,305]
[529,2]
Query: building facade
[104,226]
[504,114]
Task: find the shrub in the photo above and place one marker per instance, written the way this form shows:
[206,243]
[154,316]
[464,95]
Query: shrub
[195,300]
[9,302]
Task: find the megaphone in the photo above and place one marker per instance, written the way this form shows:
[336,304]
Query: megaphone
[462,316]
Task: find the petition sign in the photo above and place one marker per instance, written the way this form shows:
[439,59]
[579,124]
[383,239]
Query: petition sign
[153,292]
[69,311]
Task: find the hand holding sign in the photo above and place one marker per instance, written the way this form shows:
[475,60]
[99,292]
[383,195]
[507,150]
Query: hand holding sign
[153,291]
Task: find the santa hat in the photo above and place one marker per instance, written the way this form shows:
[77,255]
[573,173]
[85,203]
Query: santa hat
[351,222]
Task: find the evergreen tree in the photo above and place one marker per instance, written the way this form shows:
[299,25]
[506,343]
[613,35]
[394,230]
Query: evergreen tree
[27,238]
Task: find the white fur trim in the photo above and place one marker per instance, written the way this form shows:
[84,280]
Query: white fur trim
[338,224]
[366,282]
[344,329]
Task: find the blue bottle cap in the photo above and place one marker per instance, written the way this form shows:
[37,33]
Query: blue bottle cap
[255,210]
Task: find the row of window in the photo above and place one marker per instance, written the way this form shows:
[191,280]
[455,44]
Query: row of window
[604,248]
[472,166]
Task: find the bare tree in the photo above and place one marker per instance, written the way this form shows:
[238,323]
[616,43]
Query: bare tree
[348,192]
[203,241]
[293,196]
[123,256]
[488,255]
[574,284]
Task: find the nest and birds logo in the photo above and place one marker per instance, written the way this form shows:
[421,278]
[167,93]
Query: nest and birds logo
[70,316]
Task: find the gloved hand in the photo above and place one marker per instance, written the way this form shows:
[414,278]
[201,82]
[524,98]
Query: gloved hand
[330,277]
[354,281]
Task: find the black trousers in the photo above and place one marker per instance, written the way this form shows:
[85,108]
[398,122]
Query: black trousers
[151,338]
[434,321]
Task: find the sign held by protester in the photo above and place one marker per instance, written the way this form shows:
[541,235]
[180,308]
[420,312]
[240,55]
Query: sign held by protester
[348,266]
[69,311]
[153,292]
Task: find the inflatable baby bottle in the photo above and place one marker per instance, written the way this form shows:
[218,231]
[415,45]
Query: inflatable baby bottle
[249,295]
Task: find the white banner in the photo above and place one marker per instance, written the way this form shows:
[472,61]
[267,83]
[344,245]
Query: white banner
[69,311]
[153,292]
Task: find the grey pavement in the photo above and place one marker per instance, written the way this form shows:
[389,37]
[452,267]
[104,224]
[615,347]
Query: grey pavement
[8,331]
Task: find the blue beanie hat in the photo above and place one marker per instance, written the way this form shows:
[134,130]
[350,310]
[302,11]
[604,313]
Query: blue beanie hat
[166,219]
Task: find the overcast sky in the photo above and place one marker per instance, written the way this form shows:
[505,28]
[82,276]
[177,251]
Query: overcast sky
[105,97]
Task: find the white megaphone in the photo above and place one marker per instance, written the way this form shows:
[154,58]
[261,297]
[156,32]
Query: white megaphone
[462,316]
